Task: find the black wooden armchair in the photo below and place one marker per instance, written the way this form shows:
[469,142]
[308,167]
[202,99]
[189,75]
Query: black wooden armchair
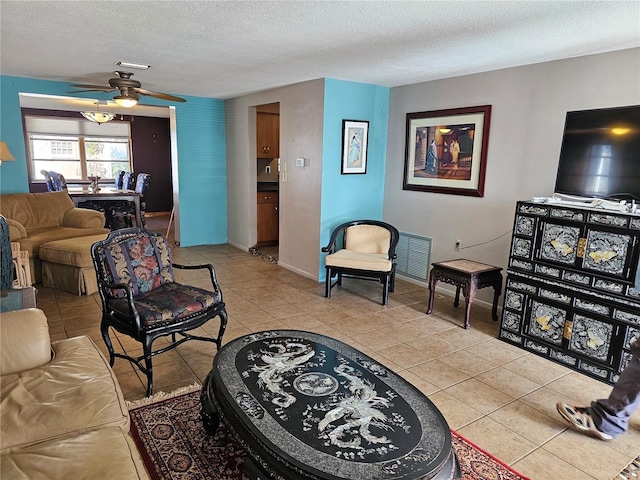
[141,299]
[363,249]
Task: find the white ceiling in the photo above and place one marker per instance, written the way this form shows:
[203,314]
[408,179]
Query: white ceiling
[223,49]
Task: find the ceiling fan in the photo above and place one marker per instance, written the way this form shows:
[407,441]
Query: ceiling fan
[129,90]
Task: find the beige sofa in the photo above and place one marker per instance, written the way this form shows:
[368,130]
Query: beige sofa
[62,414]
[37,218]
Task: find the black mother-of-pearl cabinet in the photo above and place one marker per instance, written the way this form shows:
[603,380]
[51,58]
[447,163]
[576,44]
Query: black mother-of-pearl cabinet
[572,294]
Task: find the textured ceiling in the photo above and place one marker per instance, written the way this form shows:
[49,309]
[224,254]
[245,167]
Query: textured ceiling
[223,49]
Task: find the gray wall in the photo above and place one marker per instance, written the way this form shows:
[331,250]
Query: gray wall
[529,105]
[301,117]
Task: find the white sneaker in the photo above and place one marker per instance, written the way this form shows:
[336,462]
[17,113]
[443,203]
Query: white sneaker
[580,419]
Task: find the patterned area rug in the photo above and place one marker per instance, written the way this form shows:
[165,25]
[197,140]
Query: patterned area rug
[257,253]
[631,471]
[175,446]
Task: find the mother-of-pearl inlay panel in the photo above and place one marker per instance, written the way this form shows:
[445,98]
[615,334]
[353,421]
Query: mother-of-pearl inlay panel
[559,243]
[319,402]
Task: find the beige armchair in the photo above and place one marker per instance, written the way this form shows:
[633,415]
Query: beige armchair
[363,249]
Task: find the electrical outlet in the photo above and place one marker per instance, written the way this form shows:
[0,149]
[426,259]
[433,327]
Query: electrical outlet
[458,245]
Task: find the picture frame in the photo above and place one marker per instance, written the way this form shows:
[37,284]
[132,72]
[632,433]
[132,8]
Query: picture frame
[355,140]
[446,150]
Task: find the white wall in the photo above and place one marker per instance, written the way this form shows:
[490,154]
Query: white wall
[301,116]
[529,105]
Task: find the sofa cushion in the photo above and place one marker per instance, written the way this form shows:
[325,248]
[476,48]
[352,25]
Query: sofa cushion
[368,239]
[70,251]
[24,340]
[169,302]
[36,210]
[143,262]
[76,392]
[83,218]
[102,454]
[40,236]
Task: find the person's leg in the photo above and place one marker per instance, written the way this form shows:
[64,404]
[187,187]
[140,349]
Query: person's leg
[611,415]
[608,418]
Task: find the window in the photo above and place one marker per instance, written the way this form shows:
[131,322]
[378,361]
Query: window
[79,155]
[61,148]
[105,156]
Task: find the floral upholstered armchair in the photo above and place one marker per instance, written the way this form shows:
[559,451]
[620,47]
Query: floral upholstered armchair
[141,299]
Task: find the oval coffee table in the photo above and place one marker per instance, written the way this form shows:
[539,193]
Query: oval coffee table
[306,406]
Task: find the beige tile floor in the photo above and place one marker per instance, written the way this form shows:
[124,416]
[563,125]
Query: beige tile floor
[498,396]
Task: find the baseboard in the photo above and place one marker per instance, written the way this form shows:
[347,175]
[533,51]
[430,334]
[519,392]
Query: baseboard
[239,246]
[157,214]
[298,271]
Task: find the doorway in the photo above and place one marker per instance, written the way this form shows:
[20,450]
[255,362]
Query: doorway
[267,181]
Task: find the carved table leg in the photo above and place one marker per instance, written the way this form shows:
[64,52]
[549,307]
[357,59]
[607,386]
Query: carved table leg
[432,291]
[456,299]
[208,410]
[496,295]
[469,292]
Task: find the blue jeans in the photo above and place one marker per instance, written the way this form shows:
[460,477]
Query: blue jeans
[611,415]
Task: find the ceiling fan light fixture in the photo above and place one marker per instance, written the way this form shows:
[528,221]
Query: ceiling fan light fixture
[98,116]
[129,90]
[126,102]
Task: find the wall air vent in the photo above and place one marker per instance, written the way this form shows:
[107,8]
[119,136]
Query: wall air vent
[414,256]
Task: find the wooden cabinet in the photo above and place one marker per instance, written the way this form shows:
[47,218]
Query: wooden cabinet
[571,293]
[267,214]
[268,135]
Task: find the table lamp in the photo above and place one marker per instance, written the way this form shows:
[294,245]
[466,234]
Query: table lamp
[5,154]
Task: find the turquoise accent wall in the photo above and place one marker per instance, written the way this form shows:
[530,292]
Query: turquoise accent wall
[202,162]
[201,155]
[13,175]
[357,196]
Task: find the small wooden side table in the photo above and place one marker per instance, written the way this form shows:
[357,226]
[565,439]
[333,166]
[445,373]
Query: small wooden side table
[468,276]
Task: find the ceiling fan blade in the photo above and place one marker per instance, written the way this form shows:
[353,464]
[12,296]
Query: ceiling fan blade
[163,96]
[90,90]
[104,88]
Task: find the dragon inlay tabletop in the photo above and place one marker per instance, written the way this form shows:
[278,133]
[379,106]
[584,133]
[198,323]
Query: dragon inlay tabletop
[328,410]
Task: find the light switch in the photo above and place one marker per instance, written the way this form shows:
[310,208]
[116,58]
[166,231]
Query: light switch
[300,162]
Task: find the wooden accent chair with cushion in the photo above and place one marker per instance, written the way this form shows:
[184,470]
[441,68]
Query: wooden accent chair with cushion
[129,181]
[141,299]
[118,180]
[55,181]
[124,213]
[363,249]
[48,180]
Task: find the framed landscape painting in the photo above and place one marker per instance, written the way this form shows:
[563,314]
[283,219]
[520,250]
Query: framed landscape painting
[355,137]
[446,150]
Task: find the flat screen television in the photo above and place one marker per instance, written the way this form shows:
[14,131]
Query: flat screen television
[600,154]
